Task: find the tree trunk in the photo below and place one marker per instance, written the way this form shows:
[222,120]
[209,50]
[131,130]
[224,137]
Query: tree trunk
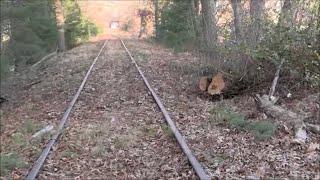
[197,7]
[60,25]
[318,29]
[194,16]
[156,18]
[256,14]
[209,24]
[287,12]
[1,38]
[236,7]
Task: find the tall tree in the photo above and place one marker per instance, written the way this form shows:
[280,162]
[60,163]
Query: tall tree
[318,27]
[287,12]
[197,7]
[237,14]
[156,17]
[208,23]
[256,16]
[60,25]
[195,16]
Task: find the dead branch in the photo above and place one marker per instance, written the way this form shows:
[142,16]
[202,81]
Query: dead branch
[313,128]
[268,106]
[44,58]
[275,80]
[31,84]
[42,132]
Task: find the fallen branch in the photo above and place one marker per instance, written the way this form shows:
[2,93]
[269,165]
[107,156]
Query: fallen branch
[275,80]
[313,128]
[268,106]
[31,84]
[44,58]
[42,132]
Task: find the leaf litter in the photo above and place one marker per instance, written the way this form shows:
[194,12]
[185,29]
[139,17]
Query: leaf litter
[224,151]
[117,131]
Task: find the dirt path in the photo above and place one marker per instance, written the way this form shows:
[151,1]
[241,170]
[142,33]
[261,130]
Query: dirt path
[116,130]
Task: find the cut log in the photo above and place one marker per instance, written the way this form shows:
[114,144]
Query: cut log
[217,84]
[204,83]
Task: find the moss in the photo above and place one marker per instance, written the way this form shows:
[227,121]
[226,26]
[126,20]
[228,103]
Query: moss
[10,161]
[261,130]
[167,131]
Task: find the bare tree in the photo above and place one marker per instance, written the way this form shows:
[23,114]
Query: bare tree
[156,17]
[287,13]
[318,29]
[209,24]
[195,16]
[256,15]
[197,7]
[236,7]
[60,24]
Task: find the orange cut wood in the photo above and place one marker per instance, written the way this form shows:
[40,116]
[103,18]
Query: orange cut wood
[217,84]
[204,83]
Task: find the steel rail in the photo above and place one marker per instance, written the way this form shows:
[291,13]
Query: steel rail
[192,159]
[32,174]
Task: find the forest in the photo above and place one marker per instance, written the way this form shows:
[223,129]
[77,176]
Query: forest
[239,81]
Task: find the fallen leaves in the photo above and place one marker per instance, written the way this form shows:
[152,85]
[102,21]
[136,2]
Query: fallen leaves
[276,157]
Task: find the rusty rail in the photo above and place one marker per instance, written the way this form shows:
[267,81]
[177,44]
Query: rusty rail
[32,174]
[192,159]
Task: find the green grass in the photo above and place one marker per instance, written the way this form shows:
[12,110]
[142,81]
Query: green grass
[150,132]
[29,126]
[19,140]
[261,130]
[8,162]
[167,131]
[99,150]
[69,154]
[224,115]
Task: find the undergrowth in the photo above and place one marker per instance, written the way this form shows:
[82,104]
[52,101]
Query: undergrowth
[8,162]
[167,131]
[261,130]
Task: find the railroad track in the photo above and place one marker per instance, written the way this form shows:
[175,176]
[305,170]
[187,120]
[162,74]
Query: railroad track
[38,165]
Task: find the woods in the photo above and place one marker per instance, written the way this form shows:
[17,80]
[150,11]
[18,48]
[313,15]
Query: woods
[32,29]
[266,44]
[264,31]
